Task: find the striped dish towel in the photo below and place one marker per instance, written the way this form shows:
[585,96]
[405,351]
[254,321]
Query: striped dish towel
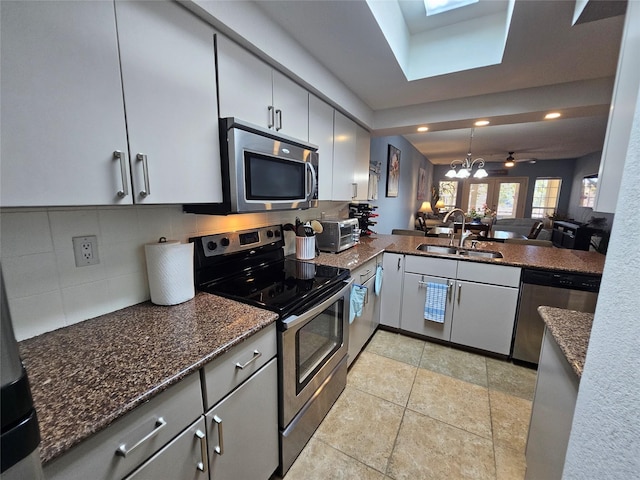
[435,302]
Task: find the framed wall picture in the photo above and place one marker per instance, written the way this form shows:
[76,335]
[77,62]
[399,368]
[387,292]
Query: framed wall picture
[393,171]
[422,183]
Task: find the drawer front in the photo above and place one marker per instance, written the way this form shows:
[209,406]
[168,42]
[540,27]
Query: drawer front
[224,374]
[491,274]
[439,267]
[185,458]
[140,433]
[364,272]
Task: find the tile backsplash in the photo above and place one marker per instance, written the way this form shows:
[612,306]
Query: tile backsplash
[46,290]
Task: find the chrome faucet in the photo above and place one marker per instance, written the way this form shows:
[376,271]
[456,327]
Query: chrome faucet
[464,234]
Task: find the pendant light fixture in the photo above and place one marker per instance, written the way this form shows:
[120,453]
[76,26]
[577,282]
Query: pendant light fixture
[466,166]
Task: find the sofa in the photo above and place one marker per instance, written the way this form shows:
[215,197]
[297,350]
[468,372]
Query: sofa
[523,226]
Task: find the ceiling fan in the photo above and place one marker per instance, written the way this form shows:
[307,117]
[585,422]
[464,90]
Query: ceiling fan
[510,161]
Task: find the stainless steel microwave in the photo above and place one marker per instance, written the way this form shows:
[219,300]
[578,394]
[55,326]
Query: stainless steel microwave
[263,171]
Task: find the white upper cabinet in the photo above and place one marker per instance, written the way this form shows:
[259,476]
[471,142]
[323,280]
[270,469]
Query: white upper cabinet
[63,115]
[363,156]
[253,91]
[62,110]
[321,135]
[351,152]
[623,103]
[168,74]
[344,158]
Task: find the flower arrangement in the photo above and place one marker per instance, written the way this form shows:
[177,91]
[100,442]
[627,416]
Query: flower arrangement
[488,212]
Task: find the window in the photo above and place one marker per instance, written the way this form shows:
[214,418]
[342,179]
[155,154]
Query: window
[588,191]
[448,191]
[546,194]
[504,196]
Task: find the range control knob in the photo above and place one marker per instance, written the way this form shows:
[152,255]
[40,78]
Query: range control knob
[212,245]
[224,242]
[277,232]
[269,233]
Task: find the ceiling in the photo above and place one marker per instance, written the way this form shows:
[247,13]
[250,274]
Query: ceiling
[548,64]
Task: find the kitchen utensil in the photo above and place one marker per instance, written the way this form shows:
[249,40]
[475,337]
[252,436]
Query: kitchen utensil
[317,226]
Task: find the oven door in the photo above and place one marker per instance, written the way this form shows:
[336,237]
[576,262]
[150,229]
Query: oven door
[312,345]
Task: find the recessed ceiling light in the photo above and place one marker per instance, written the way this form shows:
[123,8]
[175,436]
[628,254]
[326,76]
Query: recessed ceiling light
[423,129]
[552,115]
[482,123]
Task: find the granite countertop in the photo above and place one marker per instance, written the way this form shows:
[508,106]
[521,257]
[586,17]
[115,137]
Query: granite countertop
[85,376]
[571,331]
[525,256]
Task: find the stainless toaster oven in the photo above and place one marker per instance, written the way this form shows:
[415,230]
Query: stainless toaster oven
[337,235]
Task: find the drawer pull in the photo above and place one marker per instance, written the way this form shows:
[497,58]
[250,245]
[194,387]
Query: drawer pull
[202,466]
[220,448]
[122,450]
[256,355]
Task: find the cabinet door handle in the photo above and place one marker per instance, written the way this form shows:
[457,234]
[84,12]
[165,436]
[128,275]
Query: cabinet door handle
[123,451]
[449,290]
[271,122]
[256,355]
[399,263]
[279,119]
[365,273]
[141,157]
[459,292]
[220,448]
[117,155]
[202,466]
[354,190]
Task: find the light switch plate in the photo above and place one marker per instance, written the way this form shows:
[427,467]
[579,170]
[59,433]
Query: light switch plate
[85,250]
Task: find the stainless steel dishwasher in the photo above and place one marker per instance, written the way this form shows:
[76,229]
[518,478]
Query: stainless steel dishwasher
[572,291]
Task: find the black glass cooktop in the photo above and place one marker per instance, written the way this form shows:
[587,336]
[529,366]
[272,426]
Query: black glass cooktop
[286,286]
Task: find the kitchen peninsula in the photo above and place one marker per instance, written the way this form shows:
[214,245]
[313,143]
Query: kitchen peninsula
[87,376]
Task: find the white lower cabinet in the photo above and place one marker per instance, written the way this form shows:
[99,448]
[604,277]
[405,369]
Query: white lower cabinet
[243,429]
[413,302]
[480,305]
[184,458]
[391,295]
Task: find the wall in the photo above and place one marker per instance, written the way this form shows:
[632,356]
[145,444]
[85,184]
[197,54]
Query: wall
[587,165]
[543,168]
[399,212]
[47,291]
[606,423]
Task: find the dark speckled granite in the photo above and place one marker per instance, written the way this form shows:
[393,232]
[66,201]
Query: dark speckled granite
[85,376]
[514,254]
[571,331]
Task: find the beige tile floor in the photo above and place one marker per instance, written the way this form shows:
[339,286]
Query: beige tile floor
[418,410]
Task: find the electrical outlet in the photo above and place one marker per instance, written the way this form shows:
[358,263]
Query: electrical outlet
[85,249]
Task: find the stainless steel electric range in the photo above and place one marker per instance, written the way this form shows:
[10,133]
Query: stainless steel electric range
[313,329]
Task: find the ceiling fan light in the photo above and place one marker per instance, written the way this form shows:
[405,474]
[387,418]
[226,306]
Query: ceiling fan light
[480,173]
[451,173]
[509,163]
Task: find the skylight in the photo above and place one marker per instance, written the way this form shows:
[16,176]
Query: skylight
[438,6]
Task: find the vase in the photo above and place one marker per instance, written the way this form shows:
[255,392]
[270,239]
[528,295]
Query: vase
[475,220]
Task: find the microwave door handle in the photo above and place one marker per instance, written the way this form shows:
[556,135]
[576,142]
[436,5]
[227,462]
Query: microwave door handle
[314,181]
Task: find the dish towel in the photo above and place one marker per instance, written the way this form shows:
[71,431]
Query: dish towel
[358,293]
[378,283]
[435,302]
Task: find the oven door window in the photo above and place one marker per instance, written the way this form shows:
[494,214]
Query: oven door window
[317,341]
[272,178]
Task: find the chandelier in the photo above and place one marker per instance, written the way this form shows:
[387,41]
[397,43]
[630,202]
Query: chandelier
[466,166]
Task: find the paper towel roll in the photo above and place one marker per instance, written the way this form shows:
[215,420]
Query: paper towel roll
[170,271]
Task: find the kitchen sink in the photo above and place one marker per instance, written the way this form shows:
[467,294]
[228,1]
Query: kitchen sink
[437,249]
[457,251]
